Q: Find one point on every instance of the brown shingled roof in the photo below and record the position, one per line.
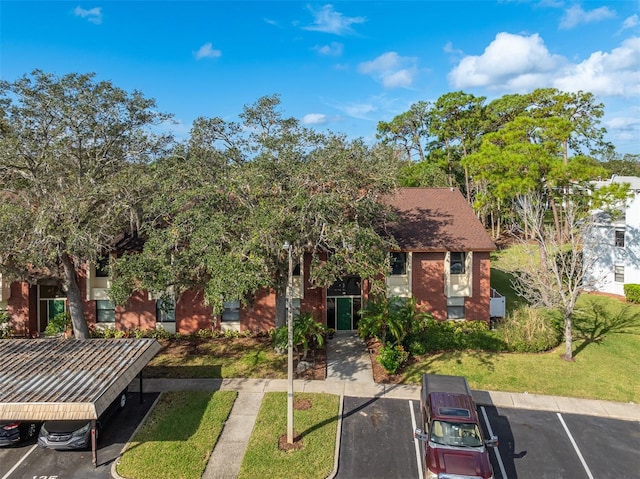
(437, 219)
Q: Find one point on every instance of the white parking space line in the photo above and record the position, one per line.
(416, 440)
(495, 449)
(575, 446)
(19, 462)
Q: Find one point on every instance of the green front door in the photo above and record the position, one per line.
(54, 307)
(344, 313)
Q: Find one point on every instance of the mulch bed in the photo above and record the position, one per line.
(380, 375)
(318, 369)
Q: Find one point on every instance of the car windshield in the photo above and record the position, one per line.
(455, 434)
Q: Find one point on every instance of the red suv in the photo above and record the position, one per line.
(452, 439)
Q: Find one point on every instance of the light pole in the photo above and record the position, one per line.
(288, 247)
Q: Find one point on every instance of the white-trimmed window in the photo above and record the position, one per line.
(618, 273)
(455, 307)
(105, 311)
(230, 311)
(165, 311)
(619, 238)
(398, 261)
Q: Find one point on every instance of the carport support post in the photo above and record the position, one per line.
(94, 449)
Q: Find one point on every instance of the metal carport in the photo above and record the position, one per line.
(67, 379)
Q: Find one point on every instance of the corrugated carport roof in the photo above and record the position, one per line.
(58, 379)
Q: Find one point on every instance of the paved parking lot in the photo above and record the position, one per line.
(28, 461)
(377, 442)
(549, 445)
(377, 439)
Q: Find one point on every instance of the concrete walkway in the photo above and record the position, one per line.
(348, 359)
(235, 437)
(349, 373)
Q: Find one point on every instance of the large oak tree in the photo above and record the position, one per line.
(232, 196)
(71, 153)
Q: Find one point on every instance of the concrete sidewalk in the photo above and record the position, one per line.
(590, 407)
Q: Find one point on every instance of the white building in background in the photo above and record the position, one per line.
(612, 249)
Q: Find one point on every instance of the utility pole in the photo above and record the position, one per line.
(288, 247)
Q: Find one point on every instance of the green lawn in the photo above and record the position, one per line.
(606, 356)
(217, 358)
(607, 370)
(177, 438)
(317, 427)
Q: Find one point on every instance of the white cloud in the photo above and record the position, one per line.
(314, 119)
(327, 20)
(93, 15)
(615, 73)
(207, 51)
(575, 16)
(448, 48)
(511, 62)
(334, 49)
(630, 22)
(625, 128)
(518, 64)
(360, 111)
(392, 70)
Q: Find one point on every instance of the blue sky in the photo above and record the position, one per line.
(341, 66)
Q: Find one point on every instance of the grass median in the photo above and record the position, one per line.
(178, 436)
(315, 421)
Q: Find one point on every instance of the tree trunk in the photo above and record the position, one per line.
(80, 328)
(556, 219)
(568, 338)
(467, 185)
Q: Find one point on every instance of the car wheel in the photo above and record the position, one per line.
(123, 400)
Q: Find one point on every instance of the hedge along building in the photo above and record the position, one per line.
(443, 261)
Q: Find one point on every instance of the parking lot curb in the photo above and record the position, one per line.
(336, 457)
(114, 464)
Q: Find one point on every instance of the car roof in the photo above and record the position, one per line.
(452, 407)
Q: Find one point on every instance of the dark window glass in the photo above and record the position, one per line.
(331, 313)
(357, 306)
(102, 267)
(455, 312)
(166, 311)
(231, 311)
(349, 286)
(620, 238)
(398, 263)
(105, 311)
(457, 262)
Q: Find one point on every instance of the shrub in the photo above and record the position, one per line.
(391, 319)
(5, 325)
(58, 324)
(307, 332)
(392, 357)
(453, 335)
(530, 330)
(632, 293)
(209, 333)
